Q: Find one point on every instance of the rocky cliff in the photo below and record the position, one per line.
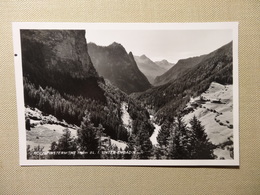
(59, 59)
(61, 50)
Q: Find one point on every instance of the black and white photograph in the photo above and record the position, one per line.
(127, 94)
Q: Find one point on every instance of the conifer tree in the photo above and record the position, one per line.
(178, 141)
(164, 139)
(66, 142)
(89, 138)
(202, 148)
(66, 145)
(143, 145)
(164, 134)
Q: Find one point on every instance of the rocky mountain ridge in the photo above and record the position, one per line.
(119, 67)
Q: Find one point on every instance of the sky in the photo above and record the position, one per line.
(171, 45)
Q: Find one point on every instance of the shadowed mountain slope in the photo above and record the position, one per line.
(59, 59)
(119, 67)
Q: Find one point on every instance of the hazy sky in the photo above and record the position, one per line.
(171, 45)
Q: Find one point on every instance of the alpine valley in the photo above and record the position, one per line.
(84, 101)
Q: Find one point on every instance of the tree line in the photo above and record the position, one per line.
(175, 141)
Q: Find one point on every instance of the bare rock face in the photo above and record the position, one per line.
(62, 50)
(60, 59)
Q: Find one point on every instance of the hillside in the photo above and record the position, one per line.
(119, 67)
(173, 96)
(46, 129)
(149, 68)
(176, 71)
(185, 65)
(214, 108)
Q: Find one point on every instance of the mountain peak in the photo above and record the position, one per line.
(119, 67)
(92, 43)
(131, 55)
(165, 64)
(148, 67)
(115, 44)
(143, 56)
(118, 48)
(165, 61)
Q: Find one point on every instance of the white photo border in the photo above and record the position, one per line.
(17, 26)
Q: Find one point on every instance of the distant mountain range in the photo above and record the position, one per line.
(119, 67)
(149, 68)
(165, 64)
(191, 77)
